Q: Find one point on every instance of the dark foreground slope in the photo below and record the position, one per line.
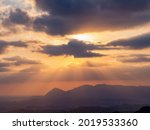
(99, 98)
(145, 109)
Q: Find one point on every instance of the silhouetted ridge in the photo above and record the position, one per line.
(82, 88)
(86, 98)
(145, 109)
(55, 91)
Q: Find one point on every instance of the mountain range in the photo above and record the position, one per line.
(87, 98)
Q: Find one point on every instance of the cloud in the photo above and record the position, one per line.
(73, 16)
(5, 44)
(84, 7)
(21, 61)
(3, 66)
(17, 16)
(136, 59)
(20, 77)
(75, 48)
(138, 42)
(3, 69)
(8, 63)
(52, 25)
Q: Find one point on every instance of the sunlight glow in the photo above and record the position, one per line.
(84, 37)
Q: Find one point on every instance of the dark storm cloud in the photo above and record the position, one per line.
(52, 25)
(83, 7)
(75, 48)
(72, 16)
(5, 44)
(17, 16)
(138, 42)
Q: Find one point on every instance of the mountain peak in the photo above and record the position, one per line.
(55, 91)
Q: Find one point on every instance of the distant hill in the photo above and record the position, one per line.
(145, 109)
(87, 98)
(99, 95)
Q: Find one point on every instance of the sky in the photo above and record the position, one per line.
(46, 44)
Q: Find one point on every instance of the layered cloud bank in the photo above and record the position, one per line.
(47, 41)
(76, 16)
